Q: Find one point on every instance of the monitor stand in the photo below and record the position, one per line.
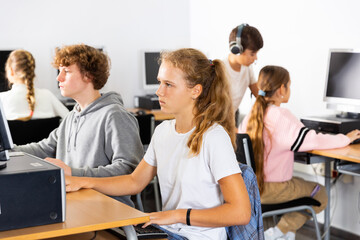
(4, 156)
(349, 115)
(2, 165)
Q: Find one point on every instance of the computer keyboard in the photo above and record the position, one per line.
(150, 232)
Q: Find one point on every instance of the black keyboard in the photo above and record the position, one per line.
(150, 232)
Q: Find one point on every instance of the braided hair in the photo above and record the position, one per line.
(22, 63)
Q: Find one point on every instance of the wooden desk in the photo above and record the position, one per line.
(86, 210)
(158, 114)
(349, 153)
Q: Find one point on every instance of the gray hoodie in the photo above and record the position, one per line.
(100, 141)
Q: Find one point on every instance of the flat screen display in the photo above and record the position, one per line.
(151, 69)
(343, 79)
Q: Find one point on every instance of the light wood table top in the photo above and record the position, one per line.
(86, 210)
(158, 114)
(349, 153)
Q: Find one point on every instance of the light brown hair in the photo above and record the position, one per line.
(92, 62)
(271, 78)
(22, 63)
(214, 104)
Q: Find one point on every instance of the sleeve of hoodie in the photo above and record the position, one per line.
(123, 147)
(44, 148)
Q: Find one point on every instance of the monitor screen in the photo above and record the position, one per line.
(151, 70)
(6, 142)
(4, 85)
(343, 80)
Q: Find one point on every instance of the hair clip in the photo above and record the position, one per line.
(261, 93)
(211, 62)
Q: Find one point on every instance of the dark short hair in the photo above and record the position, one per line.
(250, 38)
(92, 62)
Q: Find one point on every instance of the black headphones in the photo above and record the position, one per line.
(235, 46)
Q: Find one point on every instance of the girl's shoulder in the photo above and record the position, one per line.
(216, 132)
(279, 112)
(279, 117)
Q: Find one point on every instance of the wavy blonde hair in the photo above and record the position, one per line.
(214, 105)
(22, 63)
(271, 78)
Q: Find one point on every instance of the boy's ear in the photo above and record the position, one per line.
(87, 78)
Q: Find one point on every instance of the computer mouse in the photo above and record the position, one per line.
(140, 112)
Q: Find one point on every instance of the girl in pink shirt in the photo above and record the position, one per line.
(276, 134)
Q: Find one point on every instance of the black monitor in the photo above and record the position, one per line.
(151, 69)
(343, 82)
(4, 85)
(6, 142)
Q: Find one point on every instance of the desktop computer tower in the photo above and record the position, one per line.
(147, 102)
(331, 124)
(32, 193)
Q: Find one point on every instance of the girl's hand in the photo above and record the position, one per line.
(353, 135)
(165, 218)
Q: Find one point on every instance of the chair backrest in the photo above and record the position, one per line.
(23, 132)
(146, 126)
(244, 152)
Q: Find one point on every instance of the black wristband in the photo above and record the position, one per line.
(188, 217)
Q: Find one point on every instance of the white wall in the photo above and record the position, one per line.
(124, 28)
(297, 35)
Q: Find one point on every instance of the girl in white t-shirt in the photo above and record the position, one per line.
(24, 101)
(193, 155)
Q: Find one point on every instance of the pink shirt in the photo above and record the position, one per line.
(289, 135)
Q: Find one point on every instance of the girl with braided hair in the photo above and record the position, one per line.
(24, 101)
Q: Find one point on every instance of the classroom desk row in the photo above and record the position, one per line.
(349, 153)
(158, 114)
(86, 211)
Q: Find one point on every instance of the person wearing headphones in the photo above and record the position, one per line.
(244, 42)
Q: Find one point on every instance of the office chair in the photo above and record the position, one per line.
(245, 155)
(34, 130)
(146, 130)
(146, 127)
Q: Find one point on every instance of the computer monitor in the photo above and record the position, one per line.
(343, 82)
(4, 85)
(151, 69)
(6, 142)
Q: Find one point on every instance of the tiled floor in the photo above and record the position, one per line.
(307, 232)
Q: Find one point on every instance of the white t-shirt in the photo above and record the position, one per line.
(191, 182)
(239, 81)
(16, 106)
